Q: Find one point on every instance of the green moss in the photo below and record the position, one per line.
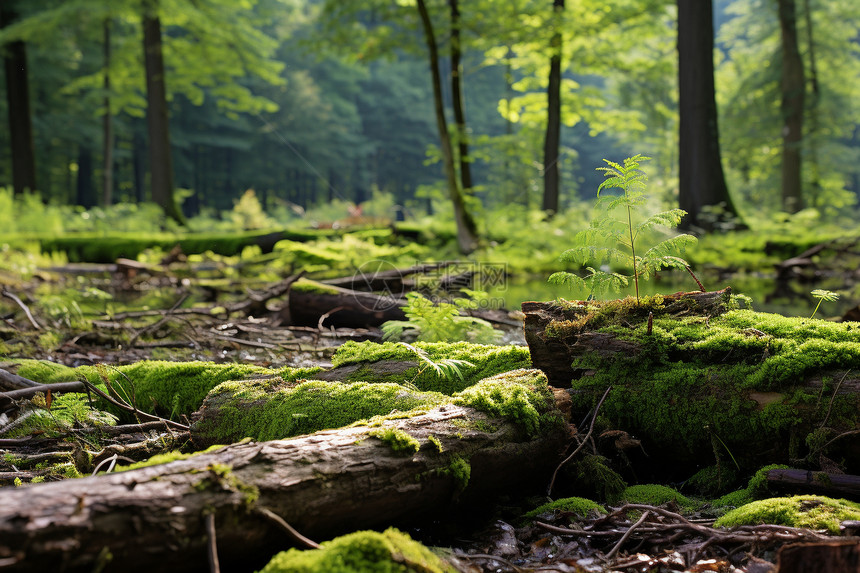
(436, 443)
(267, 411)
(574, 507)
(488, 361)
(756, 489)
(399, 441)
(361, 552)
(712, 480)
(653, 494)
(591, 474)
(165, 458)
(309, 286)
(521, 396)
(461, 471)
(160, 387)
(810, 511)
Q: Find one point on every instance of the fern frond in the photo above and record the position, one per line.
(565, 278)
(670, 219)
(672, 246)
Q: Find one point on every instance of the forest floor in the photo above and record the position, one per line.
(129, 312)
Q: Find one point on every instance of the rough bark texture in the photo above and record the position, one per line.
(551, 178)
(344, 307)
(457, 98)
(554, 355)
(793, 86)
(701, 179)
(161, 162)
(837, 556)
(322, 484)
(18, 103)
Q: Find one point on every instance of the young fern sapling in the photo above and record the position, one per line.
(610, 239)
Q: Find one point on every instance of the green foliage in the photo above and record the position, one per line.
(440, 322)
(361, 552)
(808, 511)
(599, 244)
(248, 213)
(823, 295)
(446, 368)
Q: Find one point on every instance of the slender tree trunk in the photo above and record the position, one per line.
(812, 132)
(467, 232)
(793, 92)
(86, 194)
(107, 123)
(138, 146)
(701, 179)
(161, 163)
(18, 103)
(457, 98)
(551, 177)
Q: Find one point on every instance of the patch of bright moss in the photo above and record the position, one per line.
(488, 360)
(361, 552)
(160, 387)
(576, 507)
(653, 494)
(520, 396)
(306, 285)
(399, 441)
(810, 511)
(265, 412)
(756, 489)
(165, 458)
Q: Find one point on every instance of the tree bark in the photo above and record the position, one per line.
(793, 88)
(339, 307)
(809, 482)
(18, 104)
(322, 484)
(161, 162)
(107, 124)
(86, 193)
(467, 230)
(457, 98)
(551, 176)
(701, 182)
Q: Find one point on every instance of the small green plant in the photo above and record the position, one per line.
(611, 239)
(447, 368)
(440, 322)
(823, 295)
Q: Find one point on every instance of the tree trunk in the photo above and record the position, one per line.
(322, 484)
(161, 163)
(457, 98)
(138, 147)
(793, 94)
(701, 179)
(467, 230)
(107, 124)
(812, 132)
(86, 194)
(18, 104)
(551, 177)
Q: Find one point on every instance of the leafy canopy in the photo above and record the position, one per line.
(613, 239)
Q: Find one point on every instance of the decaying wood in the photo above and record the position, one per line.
(389, 280)
(832, 556)
(805, 481)
(343, 308)
(322, 484)
(554, 355)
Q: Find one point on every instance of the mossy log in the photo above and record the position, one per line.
(700, 383)
(313, 304)
(323, 484)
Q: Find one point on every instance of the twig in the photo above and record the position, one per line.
(212, 547)
(159, 322)
(695, 278)
(113, 459)
(23, 306)
(274, 517)
(123, 405)
(833, 397)
(14, 381)
(581, 444)
(33, 390)
(326, 315)
(627, 534)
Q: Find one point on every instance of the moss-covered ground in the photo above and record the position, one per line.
(810, 511)
(391, 551)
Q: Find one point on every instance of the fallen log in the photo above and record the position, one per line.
(702, 384)
(316, 304)
(805, 481)
(322, 484)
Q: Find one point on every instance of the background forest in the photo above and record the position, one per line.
(318, 106)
